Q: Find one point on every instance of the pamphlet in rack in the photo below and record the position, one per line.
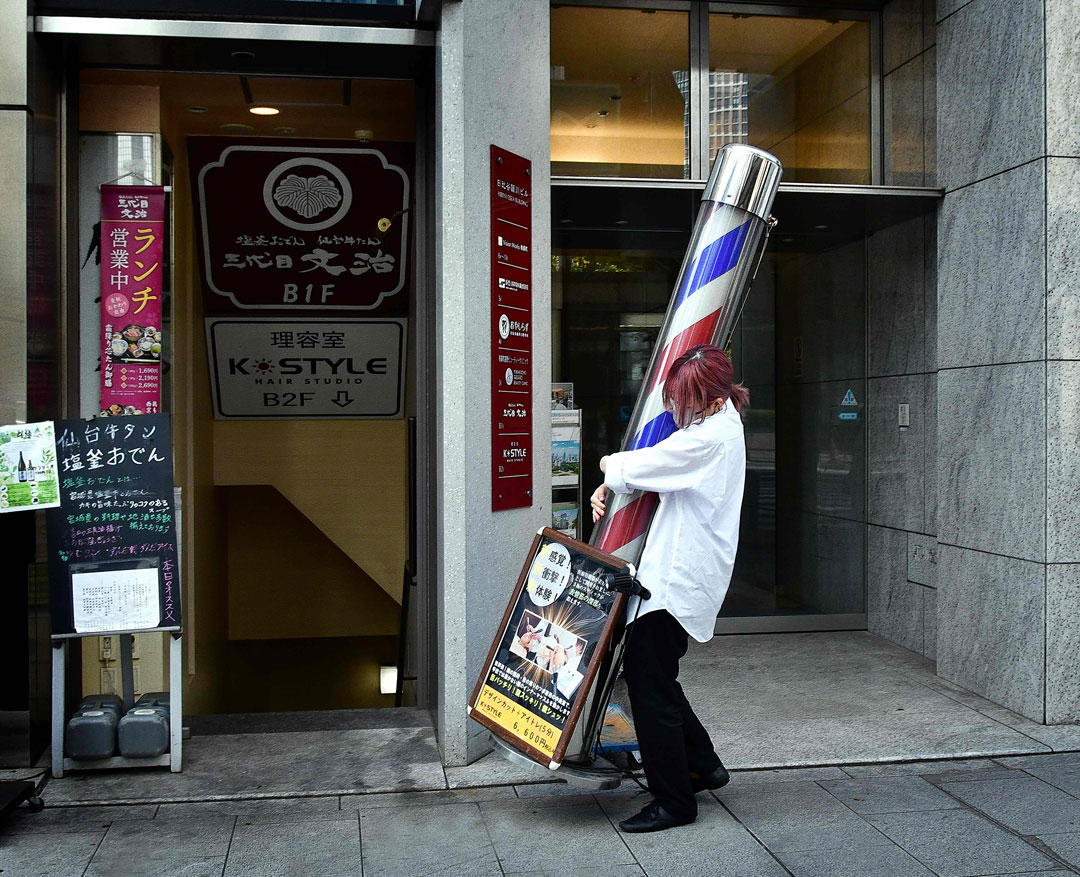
(566, 501)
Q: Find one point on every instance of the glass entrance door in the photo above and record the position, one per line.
(799, 347)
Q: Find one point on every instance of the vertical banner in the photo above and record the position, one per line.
(548, 649)
(132, 250)
(511, 330)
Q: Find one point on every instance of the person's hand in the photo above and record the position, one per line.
(597, 502)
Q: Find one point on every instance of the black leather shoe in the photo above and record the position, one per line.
(652, 818)
(715, 780)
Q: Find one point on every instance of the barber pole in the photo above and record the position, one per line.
(725, 250)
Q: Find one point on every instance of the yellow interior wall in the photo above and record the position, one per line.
(295, 588)
(128, 109)
(349, 478)
(205, 591)
(308, 674)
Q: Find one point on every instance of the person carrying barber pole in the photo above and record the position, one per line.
(698, 472)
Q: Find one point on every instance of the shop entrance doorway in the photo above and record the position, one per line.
(296, 527)
(800, 347)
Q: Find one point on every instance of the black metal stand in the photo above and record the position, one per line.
(587, 769)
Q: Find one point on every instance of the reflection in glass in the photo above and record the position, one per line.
(797, 87)
(619, 92)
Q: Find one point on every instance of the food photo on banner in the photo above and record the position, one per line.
(557, 628)
(132, 239)
(113, 563)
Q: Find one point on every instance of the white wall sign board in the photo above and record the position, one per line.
(308, 369)
(119, 599)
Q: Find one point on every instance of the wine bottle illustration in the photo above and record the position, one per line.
(31, 473)
(22, 467)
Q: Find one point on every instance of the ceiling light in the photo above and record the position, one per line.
(236, 128)
(601, 112)
(195, 109)
(591, 125)
(264, 111)
(820, 227)
(363, 135)
(566, 221)
(622, 221)
(285, 130)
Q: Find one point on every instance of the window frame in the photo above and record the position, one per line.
(699, 13)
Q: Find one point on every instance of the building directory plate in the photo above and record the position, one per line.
(511, 330)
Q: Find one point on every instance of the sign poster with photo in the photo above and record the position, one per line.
(307, 226)
(266, 368)
(113, 562)
(28, 478)
(549, 646)
(565, 448)
(132, 271)
(564, 517)
(562, 397)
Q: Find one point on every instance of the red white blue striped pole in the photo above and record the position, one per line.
(725, 249)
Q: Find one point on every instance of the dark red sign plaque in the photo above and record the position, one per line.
(302, 225)
(511, 331)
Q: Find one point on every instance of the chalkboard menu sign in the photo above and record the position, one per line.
(548, 649)
(112, 542)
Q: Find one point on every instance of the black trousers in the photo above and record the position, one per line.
(672, 740)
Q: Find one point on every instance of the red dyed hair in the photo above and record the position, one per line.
(698, 377)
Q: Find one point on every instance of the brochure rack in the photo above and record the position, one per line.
(566, 484)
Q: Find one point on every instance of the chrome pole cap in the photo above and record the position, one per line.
(745, 177)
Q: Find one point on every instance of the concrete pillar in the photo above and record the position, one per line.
(902, 349)
(15, 133)
(492, 86)
(1008, 384)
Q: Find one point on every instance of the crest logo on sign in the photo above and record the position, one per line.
(307, 196)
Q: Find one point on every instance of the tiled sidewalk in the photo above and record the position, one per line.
(1015, 815)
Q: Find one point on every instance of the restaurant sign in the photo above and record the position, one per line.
(301, 227)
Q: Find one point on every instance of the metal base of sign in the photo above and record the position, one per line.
(597, 776)
(516, 756)
(173, 759)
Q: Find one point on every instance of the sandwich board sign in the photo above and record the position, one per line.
(549, 646)
(113, 562)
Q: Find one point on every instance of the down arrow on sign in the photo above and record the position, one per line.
(342, 399)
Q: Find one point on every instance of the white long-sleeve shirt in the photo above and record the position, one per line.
(689, 553)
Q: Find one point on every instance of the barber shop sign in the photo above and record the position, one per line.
(310, 226)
